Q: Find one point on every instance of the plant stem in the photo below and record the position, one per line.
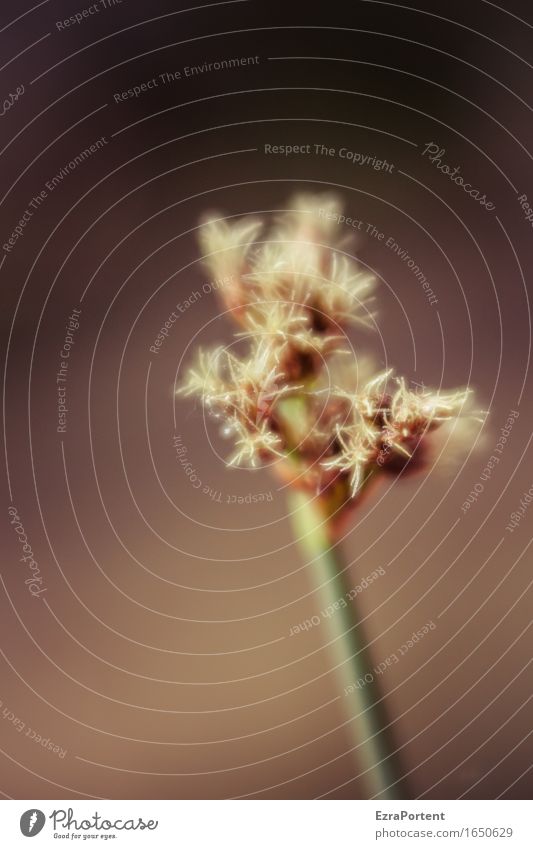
(373, 747)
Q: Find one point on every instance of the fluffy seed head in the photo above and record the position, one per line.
(292, 294)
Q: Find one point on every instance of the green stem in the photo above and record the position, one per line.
(373, 747)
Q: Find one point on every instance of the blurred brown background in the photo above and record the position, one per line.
(158, 658)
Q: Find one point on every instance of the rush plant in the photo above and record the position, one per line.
(291, 392)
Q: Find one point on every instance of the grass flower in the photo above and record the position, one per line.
(294, 399)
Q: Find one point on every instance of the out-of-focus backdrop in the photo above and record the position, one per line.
(147, 605)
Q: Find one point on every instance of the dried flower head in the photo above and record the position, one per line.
(293, 294)
(387, 425)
